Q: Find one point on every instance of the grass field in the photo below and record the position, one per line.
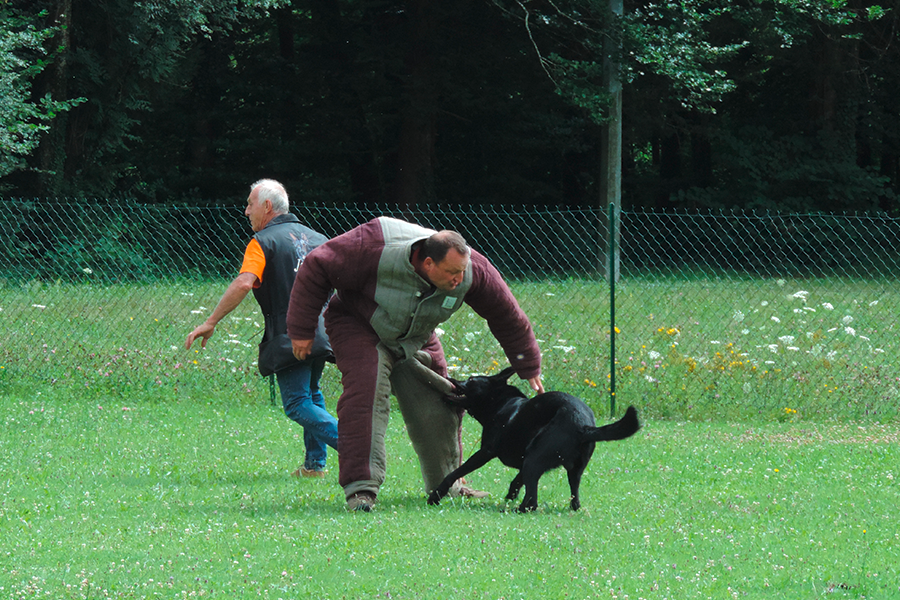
(766, 468)
(700, 350)
(189, 499)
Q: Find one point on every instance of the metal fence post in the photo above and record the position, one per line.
(272, 389)
(612, 310)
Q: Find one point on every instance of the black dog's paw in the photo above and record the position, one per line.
(434, 498)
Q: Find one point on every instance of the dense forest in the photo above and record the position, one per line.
(788, 105)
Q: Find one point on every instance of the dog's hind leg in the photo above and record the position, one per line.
(575, 472)
(514, 487)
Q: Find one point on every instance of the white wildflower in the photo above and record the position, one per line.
(781, 282)
(850, 330)
(87, 271)
(827, 306)
(793, 348)
(738, 316)
(847, 320)
(773, 347)
(764, 303)
(745, 331)
(438, 331)
(565, 348)
(41, 306)
(801, 295)
(776, 319)
(747, 387)
(873, 302)
(653, 355)
(786, 339)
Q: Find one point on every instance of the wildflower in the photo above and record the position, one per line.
(827, 306)
(873, 302)
(86, 271)
(439, 331)
(850, 330)
(565, 348)
(800, 295)
(786, 339)
(781, 282)
(653, 354)
(847, 320)
(738, 316)
(776, 319)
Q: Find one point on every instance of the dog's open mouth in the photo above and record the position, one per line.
(457, 396)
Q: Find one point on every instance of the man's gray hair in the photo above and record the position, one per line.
(271, 190)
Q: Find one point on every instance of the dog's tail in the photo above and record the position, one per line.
(625, 427)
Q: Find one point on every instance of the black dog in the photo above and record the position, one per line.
(548, 431)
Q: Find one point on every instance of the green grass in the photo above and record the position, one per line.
(767, 467)
(700, 350)
(193, 499)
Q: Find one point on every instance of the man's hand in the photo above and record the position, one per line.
(301, 348)
(536, 384)
(205, 331)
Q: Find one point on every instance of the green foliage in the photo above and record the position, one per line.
(757, 168)
(22, 58)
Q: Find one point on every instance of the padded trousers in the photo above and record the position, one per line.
(370, 373)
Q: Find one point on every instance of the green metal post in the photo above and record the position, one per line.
(272, 389)
(612, 310)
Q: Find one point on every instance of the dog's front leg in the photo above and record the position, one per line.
(476, 461)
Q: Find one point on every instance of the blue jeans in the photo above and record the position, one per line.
(304, 404)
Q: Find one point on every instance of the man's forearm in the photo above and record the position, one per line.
(235, 293)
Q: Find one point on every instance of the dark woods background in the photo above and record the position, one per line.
(788, 105)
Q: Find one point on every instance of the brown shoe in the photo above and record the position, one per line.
(361, 501)
(304, 472)
(464, 491)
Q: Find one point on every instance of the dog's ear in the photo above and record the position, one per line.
(505, 374)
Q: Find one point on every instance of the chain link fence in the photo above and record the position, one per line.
(717, 315)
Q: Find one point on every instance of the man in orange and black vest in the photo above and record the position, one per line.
(270, 264)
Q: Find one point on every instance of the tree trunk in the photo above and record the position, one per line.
(415, 154)
(51, 153)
